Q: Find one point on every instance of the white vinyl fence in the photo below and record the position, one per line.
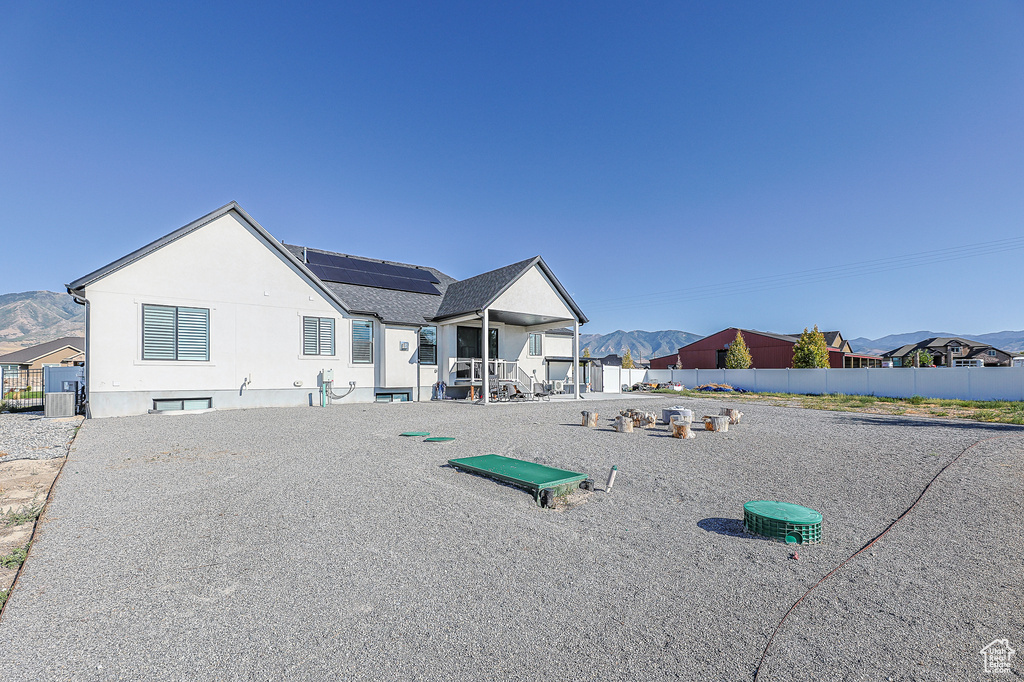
(959, 383)
(616, 377)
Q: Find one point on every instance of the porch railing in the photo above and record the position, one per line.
(470, 370)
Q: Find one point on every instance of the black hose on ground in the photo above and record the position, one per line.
(764, 654)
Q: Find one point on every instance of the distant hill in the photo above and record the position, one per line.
(33, 317)
(640, 343)
(1012, 341)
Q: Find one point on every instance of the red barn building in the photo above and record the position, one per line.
(767, 350)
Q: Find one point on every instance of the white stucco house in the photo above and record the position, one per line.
(219, 314)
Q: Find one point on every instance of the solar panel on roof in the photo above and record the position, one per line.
(409, 284)
(348, 270)
(317, 258)
(329, 273)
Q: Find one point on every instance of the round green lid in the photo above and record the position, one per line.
(783, 511)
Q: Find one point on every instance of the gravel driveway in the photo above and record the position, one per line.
(317, 543)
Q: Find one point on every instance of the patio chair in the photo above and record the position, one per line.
(540, 392)
(516, 394)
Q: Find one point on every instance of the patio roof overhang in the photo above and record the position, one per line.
(527, 319)
(532, 321)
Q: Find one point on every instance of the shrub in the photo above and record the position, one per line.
(15, 558)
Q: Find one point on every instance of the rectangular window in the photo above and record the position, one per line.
(991, 353)
(175, 333)
(177, 404)
(362, 341)
(318, 336)
(392, 398)
(536, 345)
(428, 346)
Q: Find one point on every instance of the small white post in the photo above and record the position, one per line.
(611, 479)
(576, 356)
(485, 345)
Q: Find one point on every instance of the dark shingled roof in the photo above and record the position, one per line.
(830, 338)
(395, 307)
(938, 344)
(25, 356)
(476, 293)
(473, 294)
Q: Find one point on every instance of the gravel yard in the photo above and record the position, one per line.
(27, 435)
(312, 543)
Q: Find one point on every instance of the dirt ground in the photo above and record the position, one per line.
(23, 484)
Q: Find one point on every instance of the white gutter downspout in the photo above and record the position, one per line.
(82, 300)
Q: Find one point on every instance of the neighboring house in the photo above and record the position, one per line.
(951, 351)
(219, 314)
(767, 350)
(833, 339)
(68, 352)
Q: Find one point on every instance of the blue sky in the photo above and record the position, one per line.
(669, 161)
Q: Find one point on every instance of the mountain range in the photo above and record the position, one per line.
(1011, 341)
(33, 317)
(641, 344)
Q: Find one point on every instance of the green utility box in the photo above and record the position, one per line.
(782, 521)
(546, 483)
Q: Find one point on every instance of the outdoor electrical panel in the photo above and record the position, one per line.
(328, 374)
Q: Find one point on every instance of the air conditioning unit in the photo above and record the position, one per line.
(58, 404)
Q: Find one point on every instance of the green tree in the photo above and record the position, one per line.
(627, 360)
(924, 357)
(811, 351)
(586, 352)
(738, 355)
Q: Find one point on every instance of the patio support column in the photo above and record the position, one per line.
(485, 344)
(576, 357)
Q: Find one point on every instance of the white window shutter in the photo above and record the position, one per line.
(158, 332)
(193, 334)
(326, 336)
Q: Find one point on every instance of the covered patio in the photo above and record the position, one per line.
(511, 308)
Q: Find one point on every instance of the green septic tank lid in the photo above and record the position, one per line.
(783, 511)
(438, 439)
(415, 433)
